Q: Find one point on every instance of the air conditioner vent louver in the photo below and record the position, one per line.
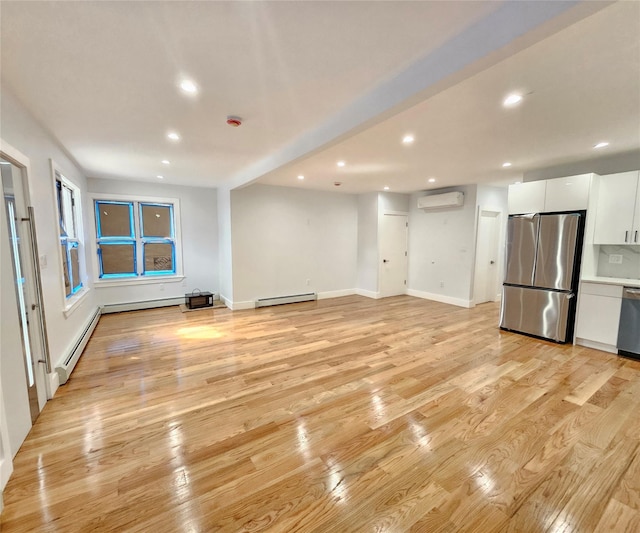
(439, 201)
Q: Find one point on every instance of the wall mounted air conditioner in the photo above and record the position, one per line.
(438, 201)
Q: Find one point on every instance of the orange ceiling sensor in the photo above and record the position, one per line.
(234, 121)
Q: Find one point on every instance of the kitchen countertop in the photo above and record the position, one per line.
(612, 281)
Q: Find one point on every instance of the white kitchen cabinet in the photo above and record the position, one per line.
(618, 211)
(598, 316)
(527, 197)
(548, 196)
(567, 194)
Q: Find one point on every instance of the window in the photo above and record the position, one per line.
(135, 238)
(68, 200)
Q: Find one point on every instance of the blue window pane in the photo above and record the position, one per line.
(156, 220)
(114, 219)
(117, 259)
(159, 257)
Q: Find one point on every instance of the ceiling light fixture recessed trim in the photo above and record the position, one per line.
(165, 162)
(431, 180)
(408, 139)
(300, 177)
(506, 164)
(386, 188)
(160, 177)
(188, 86)
(172, 135)
(601, 144)
(341, 163)
(512, 100)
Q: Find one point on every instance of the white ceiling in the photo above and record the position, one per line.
(320, 81)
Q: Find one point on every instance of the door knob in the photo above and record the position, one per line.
(385, 260)
(491, 262)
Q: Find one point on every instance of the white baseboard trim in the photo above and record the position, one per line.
(597, 345)
(368, 294)
(65, 366)
(241, 306)
(336, 294)
(136, 306)
(53, 382)
(459, 302)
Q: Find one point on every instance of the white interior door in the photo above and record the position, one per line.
(486, 282)
(393, 254)
(21, 368)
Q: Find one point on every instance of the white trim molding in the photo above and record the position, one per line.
(336, 294)
(367, 294)
(459, 302)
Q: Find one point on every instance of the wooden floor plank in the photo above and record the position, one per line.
(340, 415)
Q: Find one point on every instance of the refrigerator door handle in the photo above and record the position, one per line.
(636, 237)
(626, 236)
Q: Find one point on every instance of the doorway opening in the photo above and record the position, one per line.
(393, 254)
(487, 268)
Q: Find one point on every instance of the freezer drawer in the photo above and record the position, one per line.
(537, 312)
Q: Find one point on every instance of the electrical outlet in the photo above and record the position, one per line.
(442, 284)
(615, 259)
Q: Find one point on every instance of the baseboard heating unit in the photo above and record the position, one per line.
(64, 370)
(293, 299)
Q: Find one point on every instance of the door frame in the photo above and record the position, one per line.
(499, 216)
(37, 329)
(381, 216)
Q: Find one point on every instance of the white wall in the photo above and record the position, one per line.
(225, 265)
(282, 237)
(495, 199)
(393, 202)
(23, 133)
(442, 249)
(199, 237)
(367, 280)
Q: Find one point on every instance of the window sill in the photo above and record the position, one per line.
(139, 280)
(71, 304)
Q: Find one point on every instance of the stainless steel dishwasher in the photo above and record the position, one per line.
(629, 329)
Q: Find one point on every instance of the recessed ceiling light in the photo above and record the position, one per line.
(188, 86)
(341, 163)
(512, 100)
(300, 177)
(602, 144)
(431, 180)
(506, 164)
(386, 188)
(165, 162)
(173, 136)
(408, 139)
(160, 177)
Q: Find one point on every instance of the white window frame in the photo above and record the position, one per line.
(71, 302)
(138, 279)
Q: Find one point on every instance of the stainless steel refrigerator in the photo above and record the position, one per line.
(541, 278)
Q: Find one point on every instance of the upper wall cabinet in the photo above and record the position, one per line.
(618, 212)
(567, 194)
(527, 197)
(560, 194)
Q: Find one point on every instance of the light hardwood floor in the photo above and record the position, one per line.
(333, 416)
